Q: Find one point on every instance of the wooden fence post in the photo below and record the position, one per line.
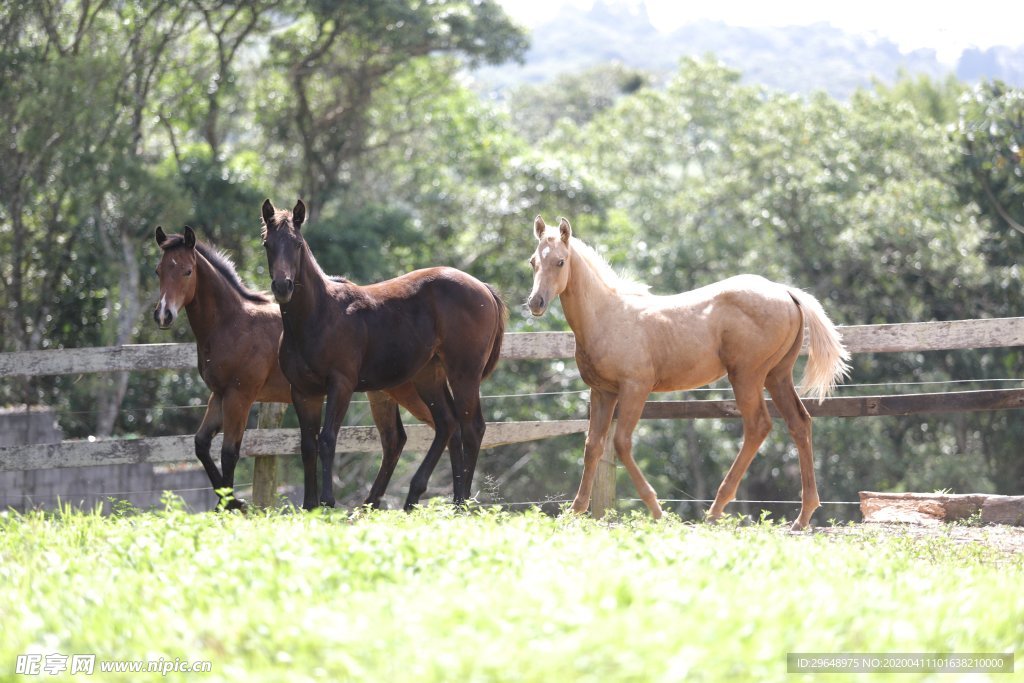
(603, 496)
(264, 468)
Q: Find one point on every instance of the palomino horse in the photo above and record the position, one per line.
(340, 338)
(630, 343)
(237, 335)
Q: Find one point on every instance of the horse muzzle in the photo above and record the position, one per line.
(282, 289)
(537, 305)
(163, 315)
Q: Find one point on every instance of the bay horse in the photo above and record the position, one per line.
(237, 333)
(630, 343)
(438, 328)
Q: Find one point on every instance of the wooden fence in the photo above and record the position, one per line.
(904, 337)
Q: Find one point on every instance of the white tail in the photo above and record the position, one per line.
(827, 357)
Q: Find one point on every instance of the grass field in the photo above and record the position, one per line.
(488, 596)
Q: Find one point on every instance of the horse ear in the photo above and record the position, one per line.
(299, 214)
(565, 230)
(161, 237)
(190, 237)
(268, 213)
(539, 227)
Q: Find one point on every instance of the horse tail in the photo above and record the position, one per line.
(499, 336)
(827, 360)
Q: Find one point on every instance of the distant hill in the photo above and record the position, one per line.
(793, 58)
(1003, 63)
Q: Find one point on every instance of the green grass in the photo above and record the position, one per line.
(487, 596)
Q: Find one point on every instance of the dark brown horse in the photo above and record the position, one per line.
(238, 332)
(423, 327)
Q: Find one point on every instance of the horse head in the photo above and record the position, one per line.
(284, 244)
(550, 262)
(176, 271)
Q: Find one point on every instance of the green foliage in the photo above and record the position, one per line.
(990, 132)
(572, 99)
(335, 62)
(932, 98)
(489, 596)
(361, 244)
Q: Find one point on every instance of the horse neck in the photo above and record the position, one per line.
(213, 301)
(586, 300)
(310, 290)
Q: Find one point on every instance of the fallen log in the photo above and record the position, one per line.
(938, 508)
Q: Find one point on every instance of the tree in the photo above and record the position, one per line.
(990, 130)
(572, 97)
(334, 60)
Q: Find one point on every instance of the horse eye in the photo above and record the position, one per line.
(188, 272)
(561, 262)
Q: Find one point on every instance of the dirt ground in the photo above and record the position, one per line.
(1008, 539)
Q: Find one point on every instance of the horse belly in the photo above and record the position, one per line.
(690, 378)
(682, 354)
(389, 367)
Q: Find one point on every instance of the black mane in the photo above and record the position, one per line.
(223, 265)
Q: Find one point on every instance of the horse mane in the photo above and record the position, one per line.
(223, 264)
(614, 281)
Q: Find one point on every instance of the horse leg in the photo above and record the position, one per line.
(211, 424)
(631, 406)
(602, 406)
(392, 440)
(236, 413)
(431, 386)
(407, 397)
(479, 427)
(339, 395)
(308, 408)
(756, 425)
(780, 386)
(465, 398)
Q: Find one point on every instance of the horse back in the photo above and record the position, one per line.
(442, 309)
(687, 340)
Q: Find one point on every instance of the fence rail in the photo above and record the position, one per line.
(257, 442)
(901, 337)
(931, 336)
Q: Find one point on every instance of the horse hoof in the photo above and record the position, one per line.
(233, 504)
(798, 526)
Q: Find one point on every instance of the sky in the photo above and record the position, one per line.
(945, 26)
